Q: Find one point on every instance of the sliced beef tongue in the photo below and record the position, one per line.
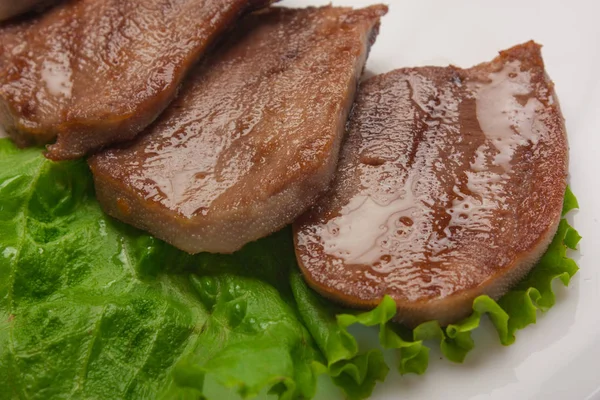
(449, 186)
(252, 139)
(88, 73)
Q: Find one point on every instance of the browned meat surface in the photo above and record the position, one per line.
(254, 136)
(12, 8)
(449, 186)
(93, 72)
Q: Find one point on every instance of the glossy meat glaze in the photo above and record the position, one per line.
(252, 139)
(450, 185)
(88, 73)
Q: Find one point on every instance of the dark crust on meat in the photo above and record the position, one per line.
(544, 183)
(17, 8)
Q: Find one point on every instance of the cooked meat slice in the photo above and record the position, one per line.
(12, 8)
(449, 186)
(93, 72)
(254, 136)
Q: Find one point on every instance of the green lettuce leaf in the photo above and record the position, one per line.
(570, 202)
(87, 309)
(355, 373)
(92, 308)
(514, 311)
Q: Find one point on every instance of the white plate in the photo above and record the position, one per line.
(559, 357)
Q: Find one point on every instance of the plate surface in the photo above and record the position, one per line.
(558, 358)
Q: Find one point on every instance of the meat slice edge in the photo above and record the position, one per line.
(450, 185)
(89, 73)
(252, 139)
